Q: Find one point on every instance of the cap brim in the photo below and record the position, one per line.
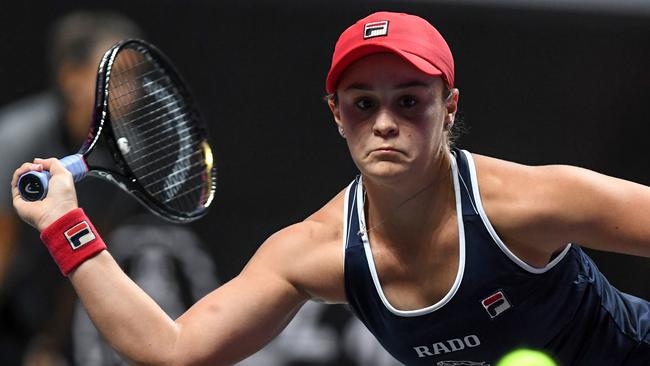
(358, 53)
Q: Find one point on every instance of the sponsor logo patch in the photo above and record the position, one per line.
(79, 235)
(496, 304)
(375, 29)
(447, 346)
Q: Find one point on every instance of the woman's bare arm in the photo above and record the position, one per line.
(227, 325)
(538, 210)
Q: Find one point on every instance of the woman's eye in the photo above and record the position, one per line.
(363, 104)
(408, 102)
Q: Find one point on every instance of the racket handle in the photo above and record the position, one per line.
(33, 185)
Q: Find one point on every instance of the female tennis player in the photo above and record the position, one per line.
(447, 257)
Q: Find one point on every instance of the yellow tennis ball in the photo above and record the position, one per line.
(526, 357)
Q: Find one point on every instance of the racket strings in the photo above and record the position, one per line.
(147, 106)
(121, 85)
(168, 121)
(152, 135)
(126, 81)
(151, 152)
(173, 176)
(165, 151)
(164, 132)
(150, 172)
(172, 153)
(172, 181)
(184, 193)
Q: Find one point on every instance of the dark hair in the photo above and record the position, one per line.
(457, 130)
(76, 36)
(333, 97)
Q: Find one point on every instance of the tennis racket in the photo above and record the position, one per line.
(146, 117)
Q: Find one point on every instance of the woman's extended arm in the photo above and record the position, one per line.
(228, 324)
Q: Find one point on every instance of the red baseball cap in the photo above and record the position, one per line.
(409, 36)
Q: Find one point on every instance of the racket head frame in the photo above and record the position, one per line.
(100, 126)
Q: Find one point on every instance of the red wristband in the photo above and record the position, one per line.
(71, 240)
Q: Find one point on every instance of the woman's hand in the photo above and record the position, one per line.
(61, 196)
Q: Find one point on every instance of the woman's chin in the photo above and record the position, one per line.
(385, 171)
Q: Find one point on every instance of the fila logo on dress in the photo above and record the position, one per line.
(79, 235)
(496, 304)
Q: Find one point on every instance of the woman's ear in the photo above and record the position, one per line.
(451, 103)
(334, 108)
(336, 113)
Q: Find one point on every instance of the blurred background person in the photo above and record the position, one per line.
(38, 323)
(35, 301)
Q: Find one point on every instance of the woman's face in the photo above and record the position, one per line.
(394, 117)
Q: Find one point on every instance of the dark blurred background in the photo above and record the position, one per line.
(540, 84)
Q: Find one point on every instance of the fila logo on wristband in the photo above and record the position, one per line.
(79, 235)
(79, 242)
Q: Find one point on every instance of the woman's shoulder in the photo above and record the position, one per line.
(497, 174)
(532, 206)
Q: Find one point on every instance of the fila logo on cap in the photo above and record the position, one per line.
(496, 304)
(375, 29)
(79, 235)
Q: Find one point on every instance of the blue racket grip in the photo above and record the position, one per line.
(33, 185)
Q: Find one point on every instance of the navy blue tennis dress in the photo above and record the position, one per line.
(497, 302)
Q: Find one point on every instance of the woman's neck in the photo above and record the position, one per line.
(407, 211)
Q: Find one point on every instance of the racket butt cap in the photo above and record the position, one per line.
(33, 185)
